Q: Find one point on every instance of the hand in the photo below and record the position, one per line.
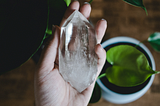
(50, 87)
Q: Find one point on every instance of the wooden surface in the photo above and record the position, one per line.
(16, 86)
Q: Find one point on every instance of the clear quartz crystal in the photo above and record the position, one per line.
(77, 57)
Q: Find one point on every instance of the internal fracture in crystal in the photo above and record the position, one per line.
(77, 57)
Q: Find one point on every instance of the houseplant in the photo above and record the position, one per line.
(121, 91)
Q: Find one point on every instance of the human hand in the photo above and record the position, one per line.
(50, 87)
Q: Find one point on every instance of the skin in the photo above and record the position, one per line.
(50, 87)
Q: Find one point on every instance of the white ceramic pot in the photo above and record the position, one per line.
(118, 98)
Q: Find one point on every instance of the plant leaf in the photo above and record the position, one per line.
(90, 1)
(154, 41)
(138, 3)
(67, 2)
(130, 66)
(96, 95)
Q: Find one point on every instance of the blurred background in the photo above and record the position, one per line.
(16, 86)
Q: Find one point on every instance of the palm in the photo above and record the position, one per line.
(65, 94)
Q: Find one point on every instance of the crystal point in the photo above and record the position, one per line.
(77, 57)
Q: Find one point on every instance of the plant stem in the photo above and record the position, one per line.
(47, 18)
(145, 10)
(90, 1)
(102, 75)
(157, 72)
(141, 42)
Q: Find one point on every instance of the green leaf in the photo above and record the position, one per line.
(138, 3)
(67, 2)
(90, 1)
(49, 32)
(96, 95)
(130, 66)
(154, 41)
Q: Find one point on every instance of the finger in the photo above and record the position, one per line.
(86, 10)
(72, 7)
(50, 51)
(100, 29)
(101, 53)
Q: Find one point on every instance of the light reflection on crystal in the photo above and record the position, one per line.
(77, 58)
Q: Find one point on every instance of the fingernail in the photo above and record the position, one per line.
(53, 28)
(103, 19)
(86, 3)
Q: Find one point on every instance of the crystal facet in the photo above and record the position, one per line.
(77, 57)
